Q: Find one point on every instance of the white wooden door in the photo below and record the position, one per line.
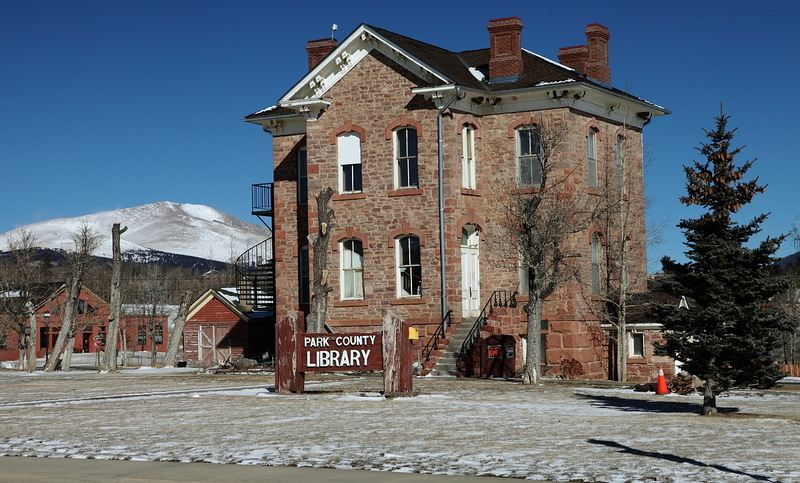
(208, 347)
(470, 274)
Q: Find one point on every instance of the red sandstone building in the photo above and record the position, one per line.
(420, 145)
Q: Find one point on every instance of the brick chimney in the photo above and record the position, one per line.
(574, 57)
(318, 50)
(505, 48)
(591, 59)
(597, 38)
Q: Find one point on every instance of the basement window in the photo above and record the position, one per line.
(636, 340)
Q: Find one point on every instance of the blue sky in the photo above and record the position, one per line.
(111, 104)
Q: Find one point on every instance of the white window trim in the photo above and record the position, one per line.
(518, 141)
(468, 156)
(591, 148)
(398, 268)
(396, 151)
(632, 345)
(343, 251)
(349, 154)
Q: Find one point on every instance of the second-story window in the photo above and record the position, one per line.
(409, 267)
(468, 156)
(349, 147)
(529, 156)
(406, 161)
(302, 176)
(352, 269)
(591, 147)
(595, 255)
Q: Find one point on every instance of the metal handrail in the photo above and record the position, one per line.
(499, 298)
(255, 276)
(433, 342)
(261, 194)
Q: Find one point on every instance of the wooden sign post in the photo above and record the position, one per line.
(298, 353)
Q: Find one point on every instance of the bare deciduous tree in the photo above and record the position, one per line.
(86, 241)
(176, 333)
(538, 223)
(20, 285)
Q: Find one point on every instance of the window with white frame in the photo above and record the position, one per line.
(468, 156)
(636, 347)
(591, 147)
(529, 156)
(406, 158)
(352, 269)
(302, 176)
(595, 263)
(349, 148)
(409, 267)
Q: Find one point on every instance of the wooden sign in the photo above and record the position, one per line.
(340, 352)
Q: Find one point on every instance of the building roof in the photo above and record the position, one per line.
(436, 67)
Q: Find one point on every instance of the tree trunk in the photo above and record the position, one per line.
(176, 334)
(709, 399)
(533, 356)
(65, 334)
(319, 296)
(32, 338)
(110, 355)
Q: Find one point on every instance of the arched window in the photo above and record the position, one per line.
(352, 269)
(529, 156)
(468, 156)
(409, 267)
(406, 158)
(349, 149)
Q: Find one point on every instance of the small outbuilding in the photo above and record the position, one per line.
(219, 330)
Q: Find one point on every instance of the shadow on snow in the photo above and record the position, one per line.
(646, 405)
(675, 458)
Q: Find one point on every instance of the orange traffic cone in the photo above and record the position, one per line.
(661, 387)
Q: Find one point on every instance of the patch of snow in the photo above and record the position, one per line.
(477, 73)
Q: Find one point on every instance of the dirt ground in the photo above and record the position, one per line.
(555, 431)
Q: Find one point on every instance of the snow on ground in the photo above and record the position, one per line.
(555, 431)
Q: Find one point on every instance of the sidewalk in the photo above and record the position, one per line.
(62, 470)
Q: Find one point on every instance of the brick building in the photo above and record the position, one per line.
(421, 145)
(139, 329)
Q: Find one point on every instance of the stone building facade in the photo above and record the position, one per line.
(423, 148)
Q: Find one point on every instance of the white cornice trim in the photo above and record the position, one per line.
(348, 54)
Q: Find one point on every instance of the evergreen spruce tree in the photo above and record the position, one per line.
(726, 336)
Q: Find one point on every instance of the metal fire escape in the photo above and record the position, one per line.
(255, 268)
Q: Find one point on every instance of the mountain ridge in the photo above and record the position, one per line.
(154, 229)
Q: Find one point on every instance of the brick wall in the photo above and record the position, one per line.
(375, 97)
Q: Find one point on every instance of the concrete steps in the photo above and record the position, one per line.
(447, 365)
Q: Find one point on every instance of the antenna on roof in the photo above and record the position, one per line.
(334, 28)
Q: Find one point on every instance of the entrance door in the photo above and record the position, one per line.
(209, 349)
(470, 273)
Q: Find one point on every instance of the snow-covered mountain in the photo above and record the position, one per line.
(154, 230)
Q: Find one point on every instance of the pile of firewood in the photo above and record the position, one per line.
(683, 384)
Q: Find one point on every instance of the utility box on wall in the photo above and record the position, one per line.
(494, 356)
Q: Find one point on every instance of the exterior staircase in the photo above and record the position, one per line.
(447, 365)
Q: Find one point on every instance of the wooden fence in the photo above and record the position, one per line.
(792, 369)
